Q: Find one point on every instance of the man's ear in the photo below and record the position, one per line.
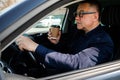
(96, 16)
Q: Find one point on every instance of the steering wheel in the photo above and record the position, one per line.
(19, 60)
(30, 54)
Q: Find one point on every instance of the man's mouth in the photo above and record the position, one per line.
(78, 23)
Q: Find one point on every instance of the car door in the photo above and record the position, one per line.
(35, 14)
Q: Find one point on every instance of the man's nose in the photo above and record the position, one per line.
(77, 17)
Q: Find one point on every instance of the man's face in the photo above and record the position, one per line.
(85, 17)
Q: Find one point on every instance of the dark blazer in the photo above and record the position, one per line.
(86, 50)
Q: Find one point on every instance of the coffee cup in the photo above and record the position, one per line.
(54, 30)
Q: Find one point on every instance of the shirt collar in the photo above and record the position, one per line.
(94, 31)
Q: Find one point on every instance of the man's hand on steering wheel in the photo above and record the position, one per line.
(25, 43)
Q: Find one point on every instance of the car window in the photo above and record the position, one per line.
(43, 25)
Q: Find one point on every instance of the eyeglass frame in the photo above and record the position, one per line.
(81, 13)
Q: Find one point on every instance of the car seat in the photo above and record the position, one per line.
(111, 18)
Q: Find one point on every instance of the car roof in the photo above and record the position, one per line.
(18, 11)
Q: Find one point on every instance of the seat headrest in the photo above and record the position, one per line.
(111, 15)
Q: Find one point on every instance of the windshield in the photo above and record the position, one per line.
(54, 18)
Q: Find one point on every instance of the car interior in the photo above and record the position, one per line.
(112, 20)
(24, 63)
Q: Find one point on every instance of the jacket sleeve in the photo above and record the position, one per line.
(83, 59)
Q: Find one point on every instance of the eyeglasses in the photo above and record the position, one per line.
(81, 13)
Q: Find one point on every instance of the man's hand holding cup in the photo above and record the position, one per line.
(54, 34)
